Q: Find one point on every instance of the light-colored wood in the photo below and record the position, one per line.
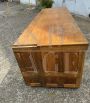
(50, 52)
(58, 23)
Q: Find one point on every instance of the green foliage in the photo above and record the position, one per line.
(45, 3)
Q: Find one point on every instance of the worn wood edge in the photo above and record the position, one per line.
(71, 86)
(28, 73)
(35, 84)
(51, 85)
(76, 48)
(43, 46)
(48, 85)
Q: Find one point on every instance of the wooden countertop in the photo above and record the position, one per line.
(54, 26)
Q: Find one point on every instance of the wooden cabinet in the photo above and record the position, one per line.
(51, 60)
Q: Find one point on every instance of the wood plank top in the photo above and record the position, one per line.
(54, 26)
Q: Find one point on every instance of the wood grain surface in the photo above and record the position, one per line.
(51, 50)
(52, 27)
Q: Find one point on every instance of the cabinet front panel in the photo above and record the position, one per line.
(50, 69)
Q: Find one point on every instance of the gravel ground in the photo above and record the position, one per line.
(12, 86)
